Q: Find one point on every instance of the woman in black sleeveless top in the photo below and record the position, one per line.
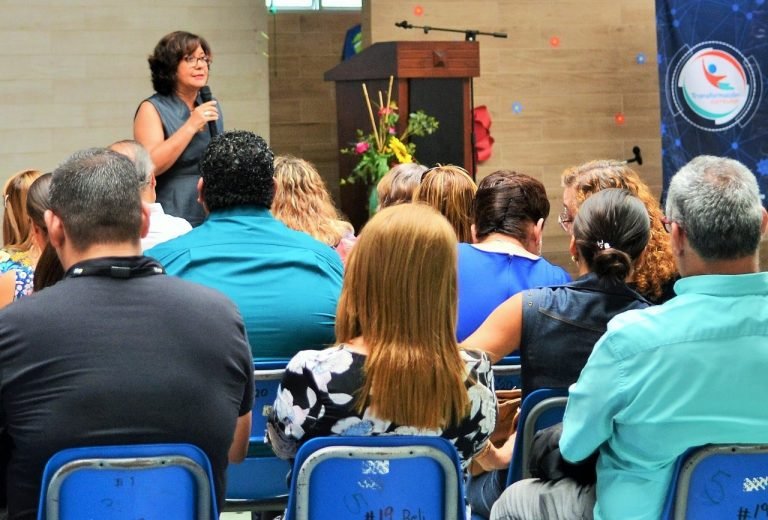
(173, 124)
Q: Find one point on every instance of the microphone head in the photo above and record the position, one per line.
(638, 157)
(205, 94)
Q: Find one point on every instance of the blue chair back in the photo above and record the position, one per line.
(382, 477)
(540, 409)
(259, 482)
(148, 481)
(720, 481)
(506, 373)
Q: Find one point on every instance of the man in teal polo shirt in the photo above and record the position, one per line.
(688, 372)
(285, 283)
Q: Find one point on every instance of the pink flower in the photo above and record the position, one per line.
(385, 111)
(362, 147)
(392, 130)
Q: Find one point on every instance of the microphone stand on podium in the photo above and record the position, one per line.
(470, 35)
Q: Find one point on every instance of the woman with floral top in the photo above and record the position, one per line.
(19, 253)
(397, 369)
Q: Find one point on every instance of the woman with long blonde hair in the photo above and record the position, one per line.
(451, 191)
(655, 273)
(302, 203)
(19, 253)
(397, 368)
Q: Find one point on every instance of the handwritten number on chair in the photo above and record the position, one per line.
(359, 502)
(715, 489)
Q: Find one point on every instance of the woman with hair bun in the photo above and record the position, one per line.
(655, 274)
(557, 327)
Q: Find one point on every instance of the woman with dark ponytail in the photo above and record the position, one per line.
(557, 327)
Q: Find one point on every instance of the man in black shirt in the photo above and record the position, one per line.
(117, 352)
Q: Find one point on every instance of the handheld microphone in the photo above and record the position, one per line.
(206, 96)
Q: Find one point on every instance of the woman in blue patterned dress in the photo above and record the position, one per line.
(19, 253)
(397, 369)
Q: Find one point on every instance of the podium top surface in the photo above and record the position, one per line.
(410, 59)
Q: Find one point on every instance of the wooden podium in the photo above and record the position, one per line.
(430, 76)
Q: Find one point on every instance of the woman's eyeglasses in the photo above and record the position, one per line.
(193, 61)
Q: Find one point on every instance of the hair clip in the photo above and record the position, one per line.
(603, 245)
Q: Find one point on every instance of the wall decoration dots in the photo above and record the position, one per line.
(418, 10)
(554, 41)
(619, 118)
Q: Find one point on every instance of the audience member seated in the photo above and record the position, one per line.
(655, 275)
(285, 282)
(116, 353)
(302, 202)
(451, 191)
(509, 213)
(162, 227)
(398, 184)
(19, 253)
(683, 374)
(48, 270)
(397, 368)
(557, 327)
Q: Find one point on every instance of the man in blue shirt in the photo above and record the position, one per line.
(668, 378)
(682, 374)
(285, 283)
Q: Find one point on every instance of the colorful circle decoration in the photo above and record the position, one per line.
(418, 10)
(713, 86)
(517, 107)
(640, 58)
(619, 118)
(554, 41)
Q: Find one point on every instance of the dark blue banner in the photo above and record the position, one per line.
(712, 57)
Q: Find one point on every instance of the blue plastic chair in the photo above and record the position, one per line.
(720, 481)
(540, 409)
(259, 482)
(148, 481)
(506, 373)
(377, 478)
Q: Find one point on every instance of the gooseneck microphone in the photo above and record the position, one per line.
(206, 96)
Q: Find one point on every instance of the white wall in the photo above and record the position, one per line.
(74, 71)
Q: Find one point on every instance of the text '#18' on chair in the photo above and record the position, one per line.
(148, 481)
(540, 409)
(377, 478)
(258, 483)
(720, 481)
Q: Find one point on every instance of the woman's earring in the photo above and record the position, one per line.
(574, 259)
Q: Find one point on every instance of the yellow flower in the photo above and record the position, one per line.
(398, 148)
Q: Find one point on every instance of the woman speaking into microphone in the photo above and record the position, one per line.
(176, 123)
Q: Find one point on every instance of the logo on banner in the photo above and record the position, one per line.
(713, 86)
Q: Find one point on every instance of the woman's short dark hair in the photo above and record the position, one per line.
(507, 202)
(611, 231)
(168, 52)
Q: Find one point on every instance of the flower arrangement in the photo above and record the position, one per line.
(382, 148)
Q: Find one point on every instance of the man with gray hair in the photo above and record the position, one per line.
(683, 374)
(117, 352)
(162, 227)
